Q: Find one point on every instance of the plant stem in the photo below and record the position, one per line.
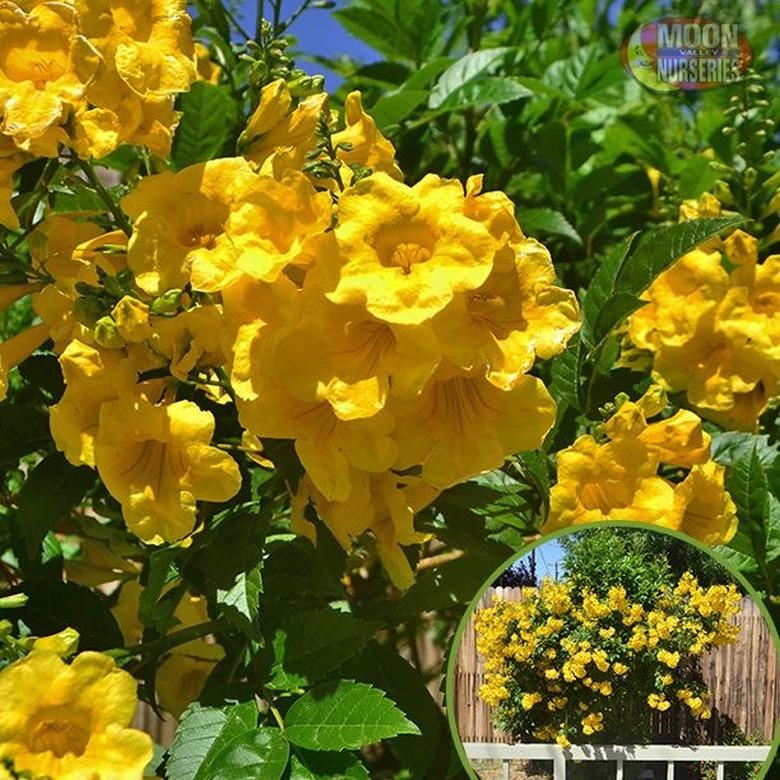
(159, 646)
(119, 217)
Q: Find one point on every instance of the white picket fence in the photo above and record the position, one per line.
(620, 754)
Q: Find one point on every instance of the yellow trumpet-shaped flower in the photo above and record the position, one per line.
(46, 67)
(10, 162)
(156, 460)
(267, 229)
(92, 376)
(278, 137)
(462, 425)
(367, 146)
(179, 219)
(619, 480)
(404, 252)
(71, 721)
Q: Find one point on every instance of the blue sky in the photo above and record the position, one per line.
(317, 32)
(547, 555)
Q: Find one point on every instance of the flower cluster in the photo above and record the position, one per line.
(562, 664)
(388, 330)
(710, 326)
(618, 478)
(89, 75)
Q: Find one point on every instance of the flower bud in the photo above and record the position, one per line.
(167, 303)
(107, 334)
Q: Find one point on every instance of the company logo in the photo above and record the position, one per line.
(686, 53)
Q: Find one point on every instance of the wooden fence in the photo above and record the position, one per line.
(743, 678)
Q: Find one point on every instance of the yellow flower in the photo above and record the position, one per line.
(157, 462)
(208, 70)
(671, 659)
(404, 252)
(563, 741)
(10, 162)
(529, 700)
(71, 722)
(384, 503)
(92, 377)
(18, 348)
(592, 723)
(277, 137)
(46, 67)
(658, 702)
(359, 358)
(619, 669)
(707, 511)
(462, 425)
(713, 333)
(267, 231)
(519, 313)
(179, 219)
(64, 643)
(368, 147)
(132, 319)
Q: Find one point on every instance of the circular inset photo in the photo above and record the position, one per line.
(615, 652)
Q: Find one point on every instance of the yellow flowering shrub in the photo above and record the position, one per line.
(566, 664)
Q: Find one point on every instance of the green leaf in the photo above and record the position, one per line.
(208, 117)
(460, 83)
(50, 491)
(535, 221)
(327, 766)
(344, 715)
(729, 446)
(747, 485)
(566, 385)
(295, 568)
(311, 644)
(241, 602)
(630, 268)
(22, 430)
(394, 107)
(224, 743)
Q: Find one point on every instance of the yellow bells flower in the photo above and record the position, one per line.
(71, 721)
(404, 252)
(10, 162)
(92, 377)
(706, 510)
(179, 218)
(207, 69)
(147, 47)
(612, 481)
(327, 446)
(103, 557)
(267, 230)
(462, 425)
(18, 348)
(189, 340)
(157, 462)
(368, 147)
(256, 314)
(516, 315)
(383, 503)
(46, 67)
(278, 137)
(360, 359)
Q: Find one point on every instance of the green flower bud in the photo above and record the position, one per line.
(167, 303)
(107, 334)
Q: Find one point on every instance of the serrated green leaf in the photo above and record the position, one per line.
(566, 385)
(313, 643)
(327, 766)
(344, 715)
(464, 76)
(224, 743)
(241, 602)
(535, 221)
(50, 491)
(729, 446)
(208, 117)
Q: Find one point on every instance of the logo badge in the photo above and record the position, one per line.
(674, 53)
